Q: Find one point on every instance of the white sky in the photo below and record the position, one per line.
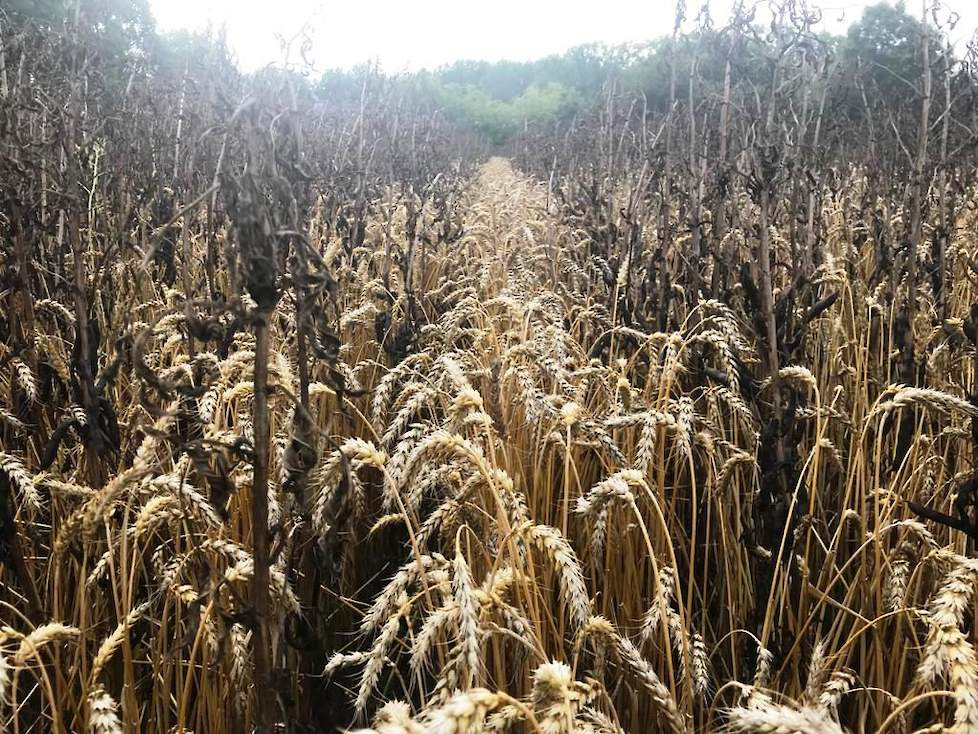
(413, 34)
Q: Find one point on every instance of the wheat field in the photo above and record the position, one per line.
(362, 402)
(536, 519)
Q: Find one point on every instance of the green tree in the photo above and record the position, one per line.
(44, 12)
(883, 48)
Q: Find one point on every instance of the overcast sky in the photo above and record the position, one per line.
(413, 34)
